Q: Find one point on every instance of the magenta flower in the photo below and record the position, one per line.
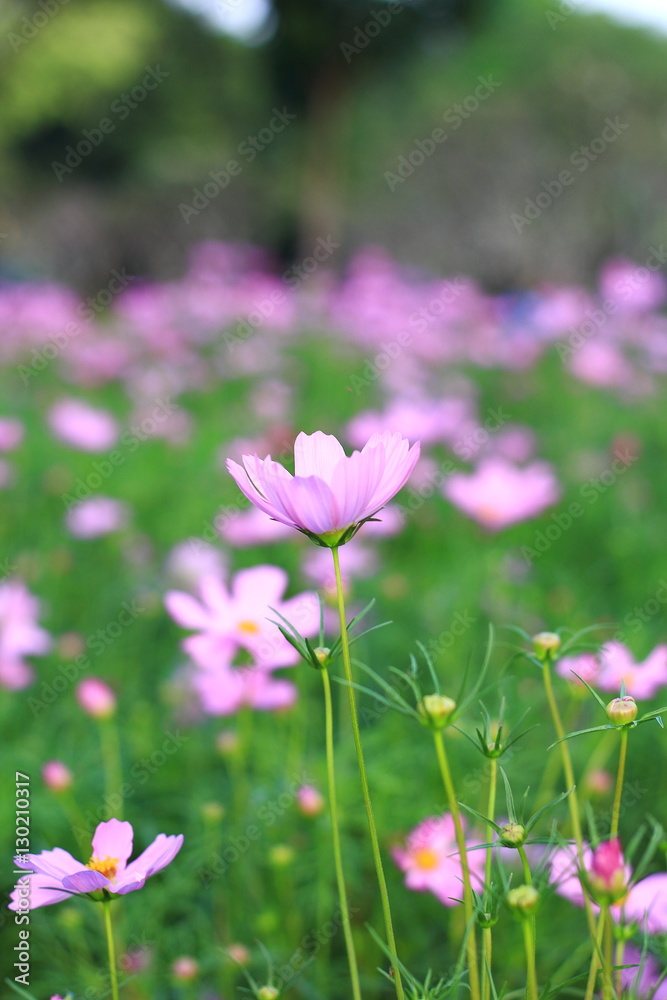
(96, 698)
(232, 620)
(499, 494)
(642, 680)
(644, 902)
(585, 665)
(330, 494)
(431, 860)
(96, 516)
(55, 875)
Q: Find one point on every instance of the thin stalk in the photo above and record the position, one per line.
(607, 987)
(595, 957)
(529, 947)
(375, 845)
(620, 776)
(471, 943)
(572, 799)
(111, 950)
(487, 939)
(527, 877)
(338, 859)
(618, 961)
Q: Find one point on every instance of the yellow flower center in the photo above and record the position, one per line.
(105, 866)
(426, 858)
(249, 627)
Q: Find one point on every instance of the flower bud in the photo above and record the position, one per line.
(96, 698)
(620, 711)
(57, 776)
(239, 953)
(546, 645)
(523, 900)
(598, 782)
(309, 801)
(607, 875)
(512, 835)
(436, 710)
(281, 855)
(185, 969)
(267, 993)
(322, 654)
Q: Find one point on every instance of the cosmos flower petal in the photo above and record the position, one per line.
(316, 454)
(87, 880)
(113, 839)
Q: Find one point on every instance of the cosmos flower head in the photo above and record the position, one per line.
(55, 875)
(330, 494)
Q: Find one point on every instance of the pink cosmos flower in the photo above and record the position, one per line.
(431, 860)
(224, 690)
(97, 516)
(330, 494)
(641, 981)
(57, 874)
(83, 426)
(20, 635)
(236, 619)
(642, 680)
(586, 665)
(645, 902)
(309, 800)
(499, 494)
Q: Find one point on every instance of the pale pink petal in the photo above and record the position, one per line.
(186, 611)
(157, 856)
(113, 839)
(316, 454)
(87, 880)
(43, 891)
(647, 903)
(260, 587)
(55, 863)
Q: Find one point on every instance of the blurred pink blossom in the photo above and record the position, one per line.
(310, 801)
(57, 776)
(229, 620)
(223, 689)
(96, 698)
(431, 861)
(586, 665)
(641, 981)
(95, 517)
(498, 494)
(632, 288)
(83, 426)
(11, 433)
(642, 680)
(20, 635)
(192, 559)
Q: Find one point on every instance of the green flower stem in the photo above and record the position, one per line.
(487, 939)
(471, 943)
(377, 857)
(620, 776)
(595, 957)
(572, 799)
(111, 949)
(607, 972)
(618, 961)
(338, 860)
(527, 877)
(113, 774)
(529, 947)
